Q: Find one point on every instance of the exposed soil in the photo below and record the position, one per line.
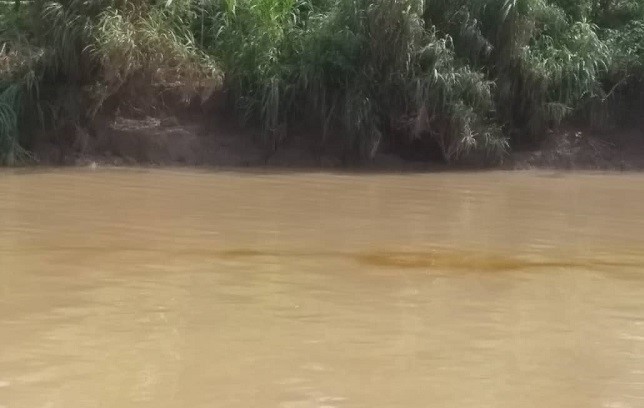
(191, 141)
(575, 149)
(150, 141)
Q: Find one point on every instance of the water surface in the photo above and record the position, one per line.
(137, 288)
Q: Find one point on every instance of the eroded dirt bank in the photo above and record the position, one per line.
(169, 141)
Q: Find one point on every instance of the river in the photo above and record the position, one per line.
(176, 288)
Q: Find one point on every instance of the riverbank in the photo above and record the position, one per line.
(193, 142)
(439, 81)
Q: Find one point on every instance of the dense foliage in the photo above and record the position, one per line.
(465, 76)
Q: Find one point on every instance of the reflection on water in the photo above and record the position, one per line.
(191, 289)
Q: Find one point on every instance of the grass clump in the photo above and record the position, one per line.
(64, 61)
(17, 77)
(353, 68)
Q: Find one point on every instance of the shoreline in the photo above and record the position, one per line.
(220, 145)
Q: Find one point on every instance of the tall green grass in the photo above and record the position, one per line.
(545, 64)
(464, 76)
(353, 68)
(17, 58)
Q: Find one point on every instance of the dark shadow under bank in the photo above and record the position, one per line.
(193, 143)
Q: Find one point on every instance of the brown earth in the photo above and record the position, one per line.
(169, 141)
(574, 149)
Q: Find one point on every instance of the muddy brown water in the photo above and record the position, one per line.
(158, 288)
